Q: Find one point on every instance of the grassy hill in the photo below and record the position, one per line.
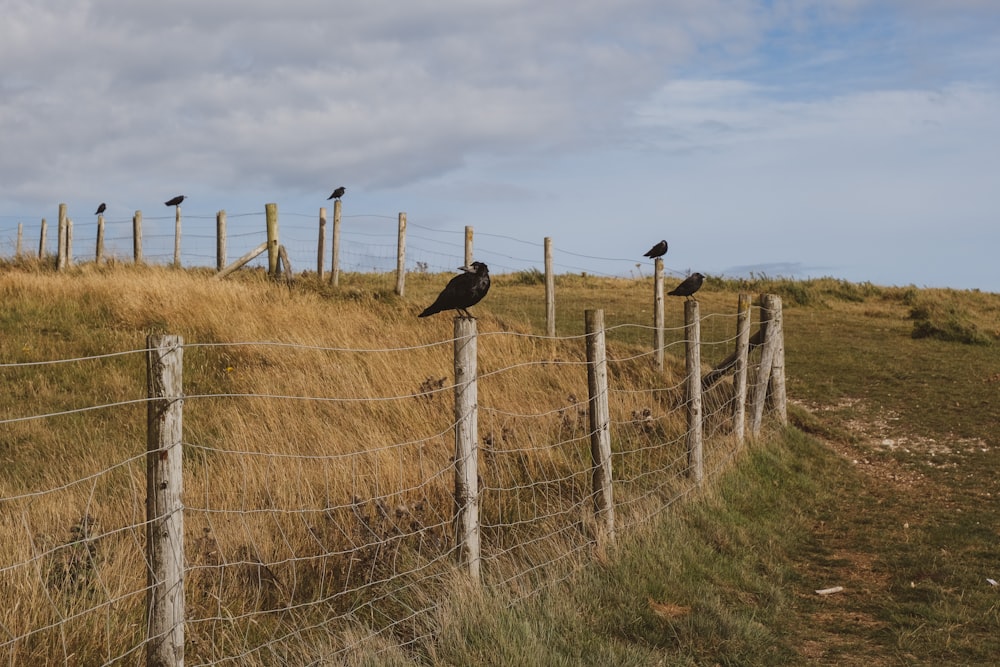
(885, 485)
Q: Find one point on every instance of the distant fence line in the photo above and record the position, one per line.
(165, 608)
(367, 248)
(278, 260)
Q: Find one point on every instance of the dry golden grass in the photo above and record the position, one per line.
(328, 490)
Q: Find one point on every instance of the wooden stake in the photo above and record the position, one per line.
(550, 291)
(164, 510)
(600, 423)
(401, 256)
(335, 246)
(742, 357)
(692, 328)
(468, 245)
(321, 244)
(137, 237)
(220, 240)
(271, 216)
(658, 319)
(467, 535)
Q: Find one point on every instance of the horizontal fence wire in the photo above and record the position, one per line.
(306, 544)
(367, 243)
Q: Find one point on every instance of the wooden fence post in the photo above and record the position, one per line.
(600, 423)
(20, 238)
(220, 240)
(61, 243)
(41, 239)
(468, 245)
(658, 318)
(550, 291)
(335, 246)
(466, 447)
(164, 511)
(177, 236)
(321, 244)
(271, 217)
(241, 261)
(69, 242)
(401, 256)
(99, 250)
(285, 264)
(766, 363)
(137, 237)
(692, 328)
(742, 357)
(777, 383)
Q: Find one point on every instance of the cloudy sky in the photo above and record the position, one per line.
(858, 139)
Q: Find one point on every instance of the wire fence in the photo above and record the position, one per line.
(320, 525)
(368, 244)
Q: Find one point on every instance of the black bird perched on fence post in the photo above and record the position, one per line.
(689, 286)
(658, 250)
(463, 291)
(101, 209)
(338, 193)
(176, 201)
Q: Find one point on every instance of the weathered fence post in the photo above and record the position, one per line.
(321, 244)
(550, 291)
(241, 261)
(177, 236)
(335, 246)
(164, 511)
(99, 249)
(20, 238)
(468, 245)
(600, 423)
(466, 446)
(692, 328)
(137, 237)
(777, 383)
(271, 218)
(742, 357)
(69, 242)
(285, 264)
(61, 243)
(220, 240)
(401, 256)
(658, 319)
(766, 362)
(41, 239)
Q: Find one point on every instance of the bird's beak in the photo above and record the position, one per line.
(467, 269)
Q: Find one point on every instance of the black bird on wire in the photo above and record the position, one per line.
(101, 209)
(463, 291)
(338, 193)
(658, 250)
(689, 286)
(176, 201)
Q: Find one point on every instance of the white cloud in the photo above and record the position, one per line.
(740, 112)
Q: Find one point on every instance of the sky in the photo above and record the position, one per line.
(858, 139)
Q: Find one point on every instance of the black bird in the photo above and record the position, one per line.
(101, 209)
(176, 201)
(338, 193)
(690, 285)
(463, 291)
(658, 250)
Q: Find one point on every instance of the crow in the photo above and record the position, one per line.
(101, 209)
(338, 193)
(658, 250)
(176, 201)
(463, 291)
(690, 285)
